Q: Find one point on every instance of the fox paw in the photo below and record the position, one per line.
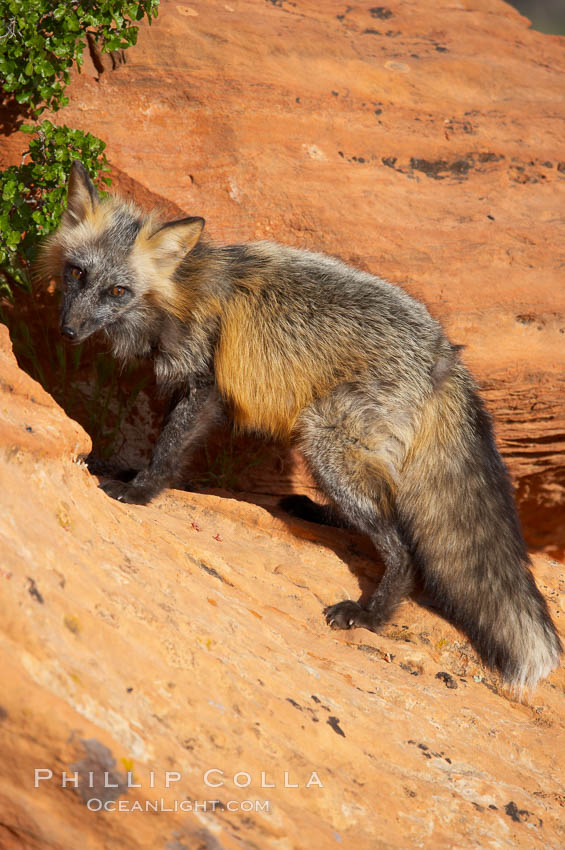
(304, 508)
(345, 615)
(129, 493)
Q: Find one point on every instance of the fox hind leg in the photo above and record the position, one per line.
(351, 454)
(396, 583)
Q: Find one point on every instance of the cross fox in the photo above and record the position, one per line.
(297, 345)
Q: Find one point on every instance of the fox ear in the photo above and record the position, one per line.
(82, 196)
(174, 240)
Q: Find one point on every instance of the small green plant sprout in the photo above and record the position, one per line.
(41, 39)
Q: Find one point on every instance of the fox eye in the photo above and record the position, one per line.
(77, 273)
(117, 291)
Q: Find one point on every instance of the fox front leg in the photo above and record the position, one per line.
(188, 422)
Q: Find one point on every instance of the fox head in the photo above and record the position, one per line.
(113, 262)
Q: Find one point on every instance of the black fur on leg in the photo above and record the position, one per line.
(109, 469)
(305, 508)
(396, 583)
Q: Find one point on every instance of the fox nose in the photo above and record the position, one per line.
(69, 332)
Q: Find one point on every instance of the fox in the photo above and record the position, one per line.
(300, 347)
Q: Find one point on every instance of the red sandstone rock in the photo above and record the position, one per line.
(426, 146)
(189, 635)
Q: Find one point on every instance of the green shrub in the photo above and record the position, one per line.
(33, 194)
(40, 40)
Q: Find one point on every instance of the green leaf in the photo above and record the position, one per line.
(50, 38)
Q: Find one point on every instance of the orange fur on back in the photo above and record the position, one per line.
(269, 375)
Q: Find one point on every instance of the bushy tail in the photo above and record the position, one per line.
(457, 508)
